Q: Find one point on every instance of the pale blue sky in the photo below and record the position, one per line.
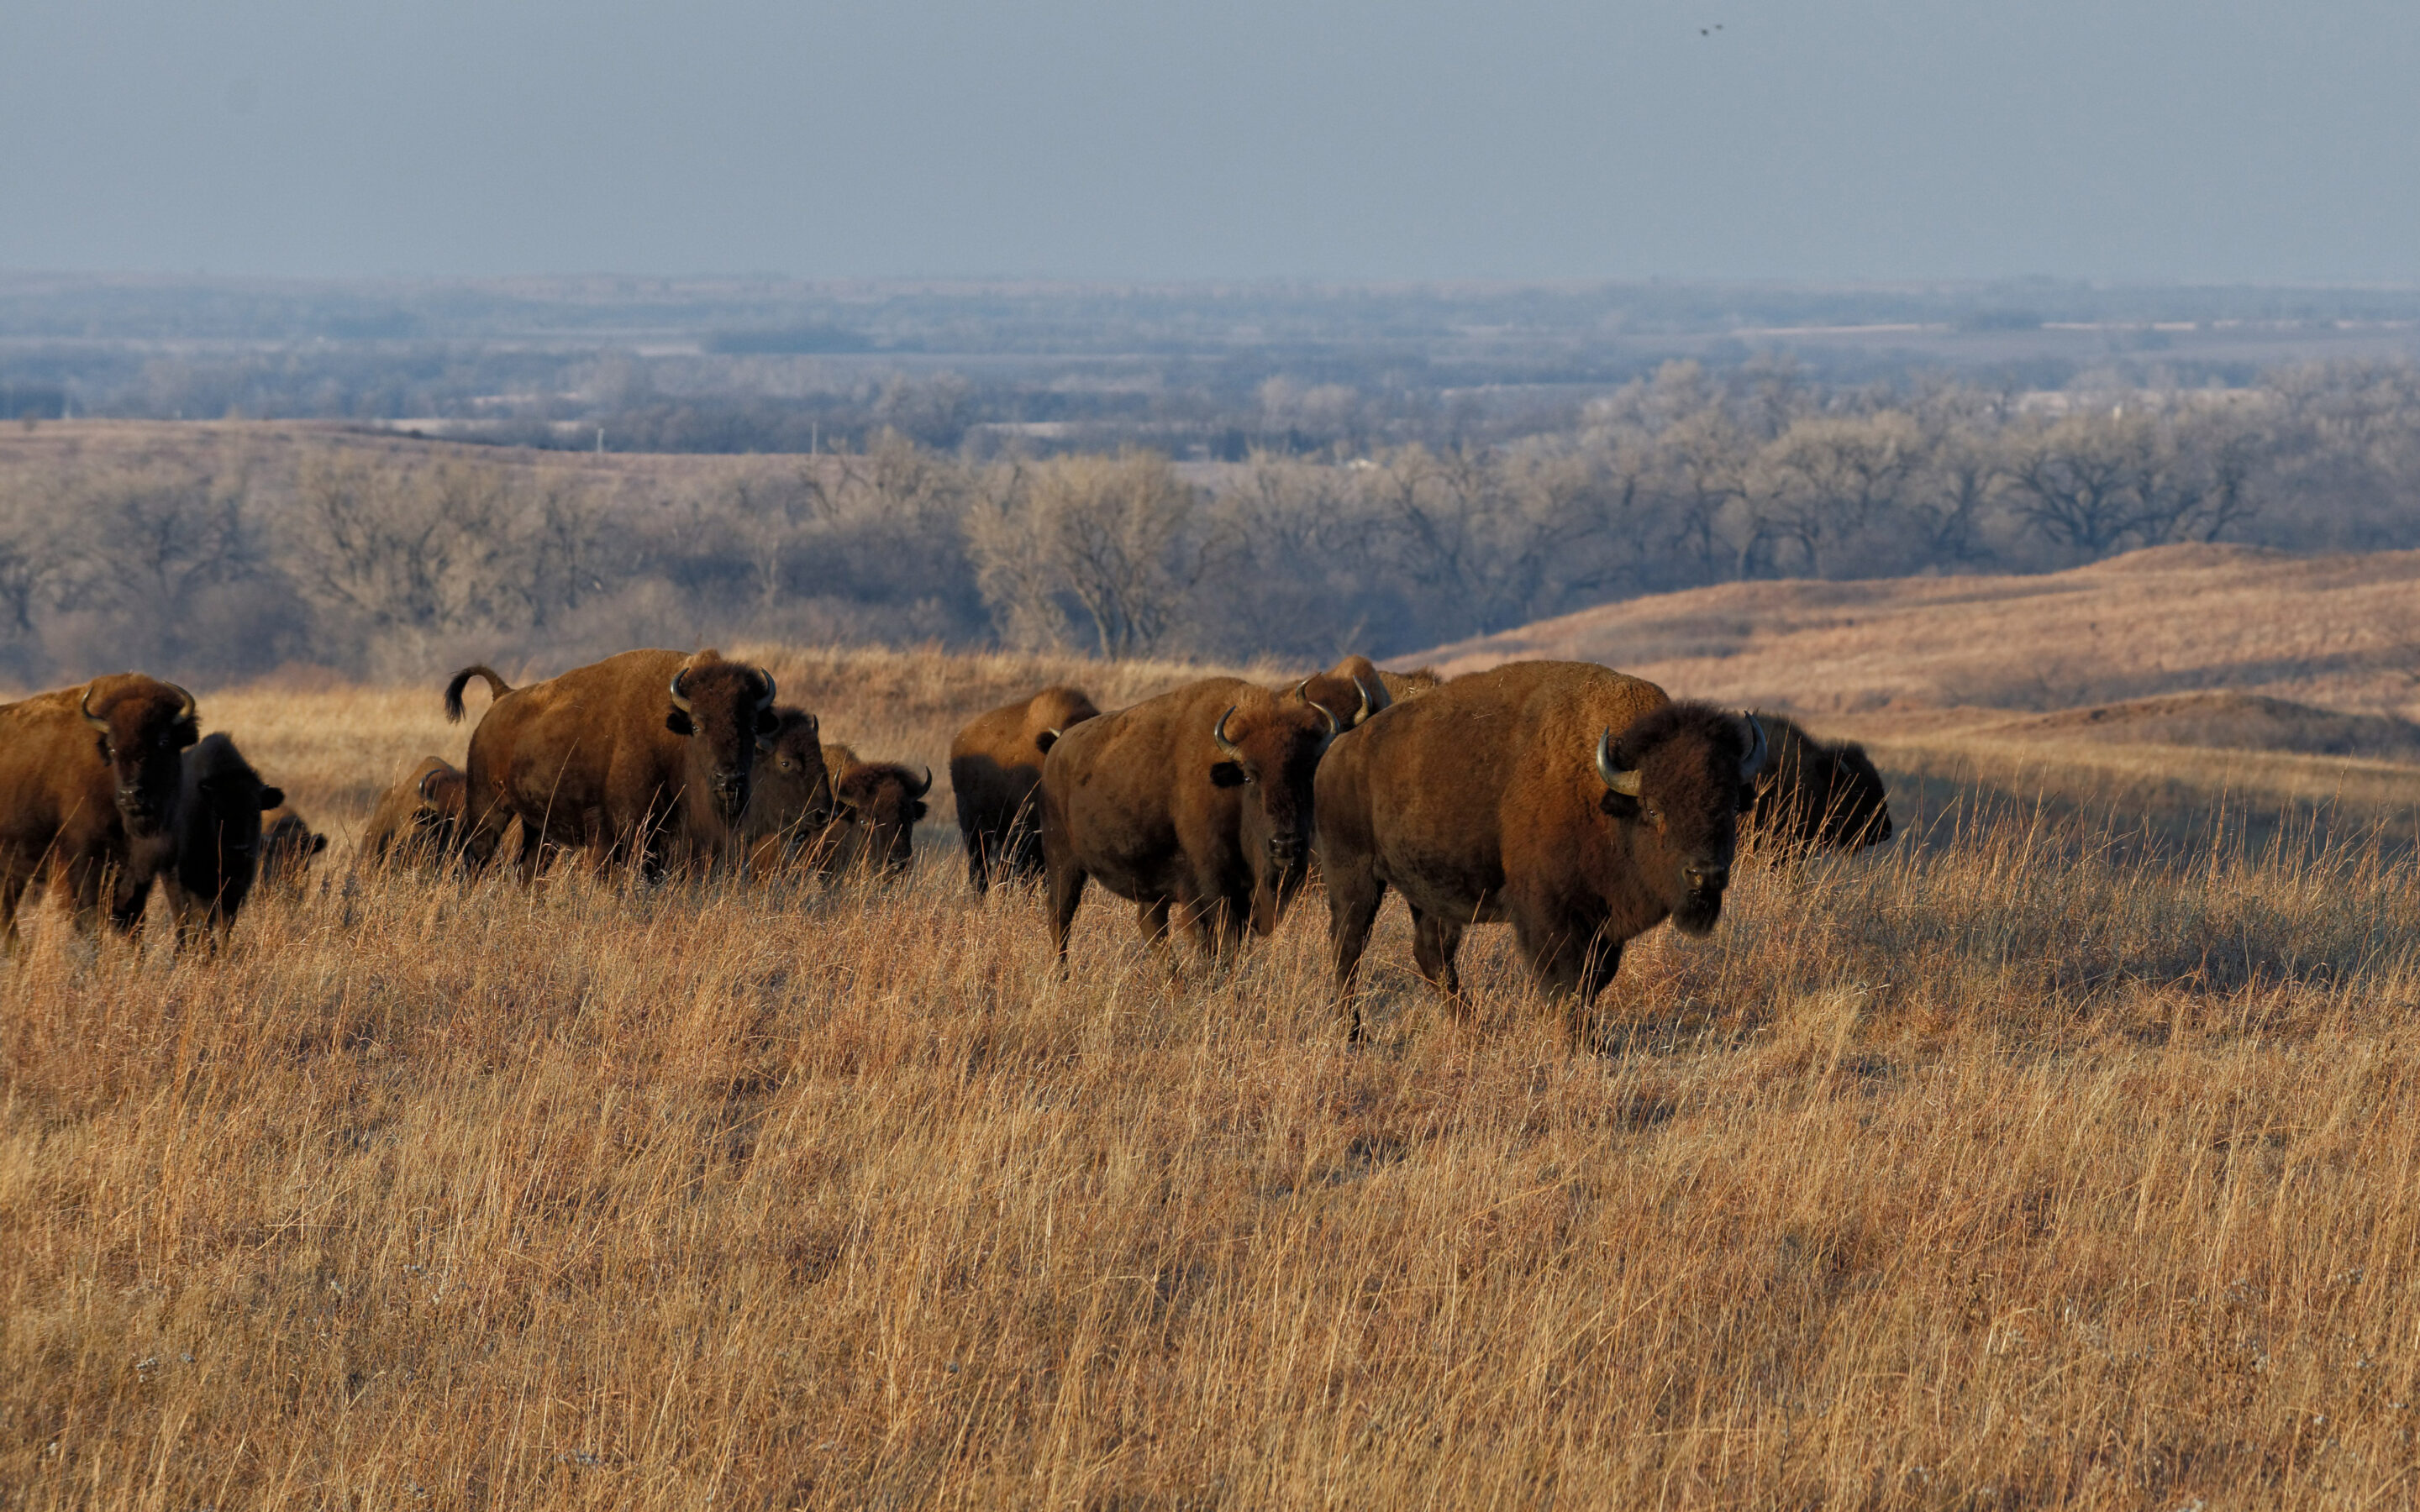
(2231, 140)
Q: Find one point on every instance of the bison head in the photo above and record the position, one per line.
(792, 788)
(1271, 751)
(1674, 780)
(219, 825)
(879, 803)
(144, 727)
(720, 707)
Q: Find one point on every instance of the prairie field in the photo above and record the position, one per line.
(2044, 1157)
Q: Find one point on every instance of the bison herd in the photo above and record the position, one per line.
(1581, 806)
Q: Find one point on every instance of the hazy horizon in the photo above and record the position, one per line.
(1545, 142)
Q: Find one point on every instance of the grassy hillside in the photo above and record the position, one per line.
(1992, 1170)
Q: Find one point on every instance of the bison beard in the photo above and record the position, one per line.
(1195, 804)
(625, 755)
(1580, 805)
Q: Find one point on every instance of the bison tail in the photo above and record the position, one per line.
(497, 688)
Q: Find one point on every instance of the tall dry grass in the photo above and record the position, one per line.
(1999, 1169)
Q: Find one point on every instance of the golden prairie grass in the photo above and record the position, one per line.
(1995, 1170)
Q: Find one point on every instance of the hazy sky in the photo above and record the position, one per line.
(2249, 140)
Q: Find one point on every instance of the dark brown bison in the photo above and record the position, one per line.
(1812, 796)
(289, 845)
(91, 778)
(418, 822)
(790, 801)
(1580, 805)
(628, 755)
(218, 841)
(876, 807)
(996, 772)
(1352, 690)
(1195, 802)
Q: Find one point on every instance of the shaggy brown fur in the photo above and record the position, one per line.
(90, 777)
(1811, 797)
(218, 841)
(418, 822)
(1401, 686)
(606, 756)
(996, 772)
(791, 799)
(1483, 801)
(1148, 802)
(876, 807)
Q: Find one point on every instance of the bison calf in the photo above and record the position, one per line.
(418, 822)
(1195, 804)
(91, 778)
(790, 801)
(1581, 805)
(996, 772)
(876, 808)
(1811, 797)
(289, 845)
(218, 841)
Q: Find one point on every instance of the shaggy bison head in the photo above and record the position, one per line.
(218, 847)
(1271, 751)
(144, 727)
(1677, 778)
(879, 803)
(722, 708)
(792, 790)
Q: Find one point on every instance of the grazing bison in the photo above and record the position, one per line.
(418, 822)
(1580, 805)
(1352, 690)
(996, 772)
(628, 754)
(218, 841)
(1197, 802)
(90, 777)
(876, 806)
(790, 801)
(1811, 797)
(289, 845)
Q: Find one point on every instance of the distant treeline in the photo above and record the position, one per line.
(392, 561)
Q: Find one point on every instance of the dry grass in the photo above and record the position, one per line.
(1992, 1171)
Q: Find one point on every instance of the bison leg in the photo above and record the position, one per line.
(12, 892)
(1353, 894)
(1573, 957)
(1066, 892)
(978, 860)
(1435, 942)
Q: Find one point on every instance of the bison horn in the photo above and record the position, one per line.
(1622, 780)
(1302, 692)
(425, 795)
(765, 700)
(679, 701)
(1219, 733)
(84, 705)
(927, 787)
(1363, 689)
(187, 709)
(1330, 715)
(1753, 761)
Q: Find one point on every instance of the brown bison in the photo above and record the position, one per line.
(1580, 805)
(1400, 686)
(876, 807)
(90, 780)
(1352, 690)
(628, 755)
(790, 801)
(1197, 802)
(1811, 797)
(996, 772)
(218, 841)
(289, 845)
(418, 822)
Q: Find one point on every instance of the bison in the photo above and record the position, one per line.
(876, 807)
(996, 772)
(628, 754)
(418, 822)
(289, 845)
(90, 781)
(1196, 803)
(1811, 797)
(790, 801)
(218, 841)
(1352, 690)
(1581, 805)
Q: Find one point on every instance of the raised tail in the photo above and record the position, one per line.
(497, 688)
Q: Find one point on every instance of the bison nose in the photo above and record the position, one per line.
(1708, 878)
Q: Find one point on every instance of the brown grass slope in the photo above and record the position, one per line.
(1992, 1170)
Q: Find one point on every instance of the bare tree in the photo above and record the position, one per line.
(1113, 538)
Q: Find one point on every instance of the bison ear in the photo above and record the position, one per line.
(1227, 774)
(678, 723)
(764, 747)
(1619, 805)
(1043, 741)
(917, 811)
(271, 798)
(318, 842)
(186, 732)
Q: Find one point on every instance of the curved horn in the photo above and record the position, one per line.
(1219, 733)
(1622, 780)
(679, 701)
(84, 706)
(1330, 715)
(424, 780)
(1302, 692)
(1363, 689)
(187, 710)
(919, 792)
(765, 700)
(1753, 761)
